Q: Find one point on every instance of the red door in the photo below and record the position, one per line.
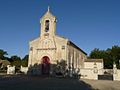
(45, 65)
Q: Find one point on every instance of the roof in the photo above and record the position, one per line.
(94, 60)
(71, 43)
(60, 36)
(48, 13)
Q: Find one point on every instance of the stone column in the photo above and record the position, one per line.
(114, 69)
(116, 73)
(70, 68)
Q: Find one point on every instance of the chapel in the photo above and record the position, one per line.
(51, 53)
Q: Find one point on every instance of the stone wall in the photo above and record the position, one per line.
(116, 75)
(24, 69)
(10, 69)
(89, 73)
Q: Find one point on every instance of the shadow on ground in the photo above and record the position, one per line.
(41, 83)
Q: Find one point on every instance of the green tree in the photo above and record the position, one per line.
(115, 54)
(109, 56)
(16, 61)
(96, 53)
(2, 54)
(102, 54)
(25, 61)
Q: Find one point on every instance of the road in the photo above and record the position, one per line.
(41, 83)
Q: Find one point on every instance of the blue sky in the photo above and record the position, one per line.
(88, 23)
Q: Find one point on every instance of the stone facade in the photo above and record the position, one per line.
(92, 63)
(50, 49)
(92, 68)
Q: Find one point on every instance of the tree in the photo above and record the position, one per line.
(101, 54)
(16, 61)
(2, 54)
(3, 64)
(61, 67)
(25, 61)
(109, 56)
(96, 53)
(115, 54)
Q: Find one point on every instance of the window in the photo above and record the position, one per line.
(46, 25)
(31, 48)
(63, 47)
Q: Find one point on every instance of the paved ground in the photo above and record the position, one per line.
(103, 84)
(47, 83)
(41, 83)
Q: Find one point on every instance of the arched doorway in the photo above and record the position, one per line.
(45, 65)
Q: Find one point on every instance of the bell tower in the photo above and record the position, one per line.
(48, 24)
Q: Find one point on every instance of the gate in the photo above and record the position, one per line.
(105, 77)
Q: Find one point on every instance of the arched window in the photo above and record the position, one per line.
(46, 25)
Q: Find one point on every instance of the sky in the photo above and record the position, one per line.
(88, 23)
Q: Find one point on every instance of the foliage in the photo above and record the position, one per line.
(13, 60)
(109, 56)
(61, 67)
(3, 60)
(16, 61)
(3, 64)
(2, 54)
(24, 61)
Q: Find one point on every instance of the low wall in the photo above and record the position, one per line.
(100, 71)
(24, 69)
(10, 69)
(116, 75)
(89, 73)
(92, 73)
(108, 71)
